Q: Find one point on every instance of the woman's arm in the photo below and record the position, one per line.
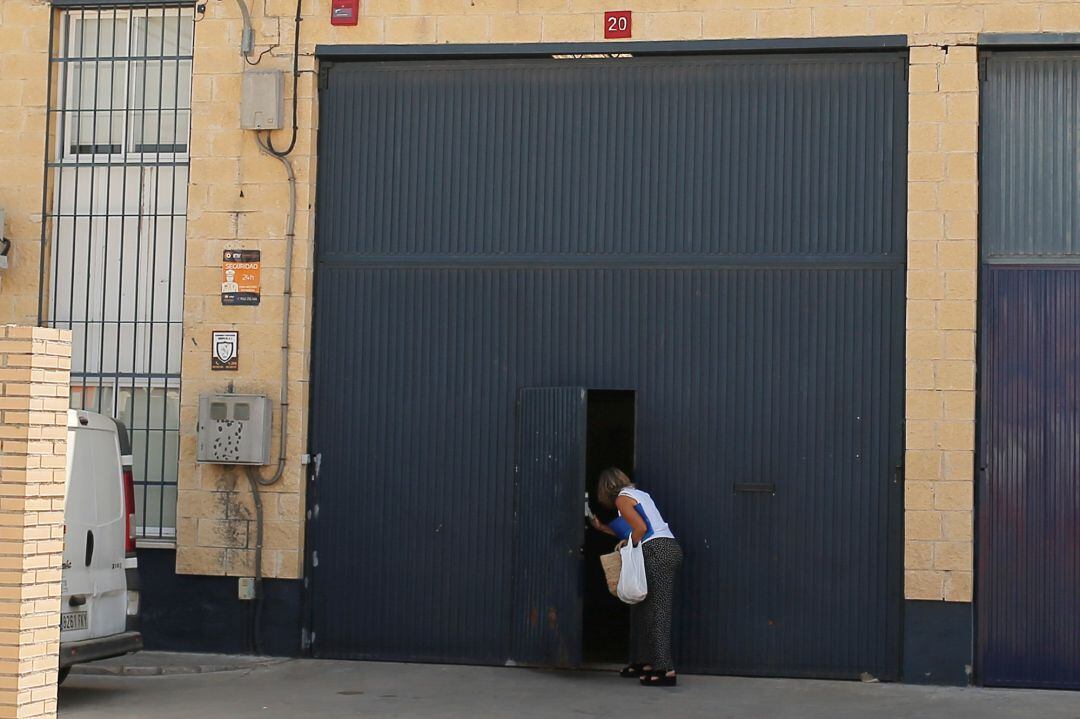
(638, 528)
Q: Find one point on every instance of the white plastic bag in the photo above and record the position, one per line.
(632, 584)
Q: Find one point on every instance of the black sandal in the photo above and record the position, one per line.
(633, 671)
(659, 679)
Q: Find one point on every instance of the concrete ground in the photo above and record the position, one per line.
(331, 689)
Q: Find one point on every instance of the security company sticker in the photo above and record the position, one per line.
(225, 350)
(240, 276)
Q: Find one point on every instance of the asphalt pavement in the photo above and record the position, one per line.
(246, 688)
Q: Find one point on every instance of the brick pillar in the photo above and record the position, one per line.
(942, 270)
(34, 368)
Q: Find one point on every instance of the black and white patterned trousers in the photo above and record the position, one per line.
(650, 621)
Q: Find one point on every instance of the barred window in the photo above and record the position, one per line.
(116, 223)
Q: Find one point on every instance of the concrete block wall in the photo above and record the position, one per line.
(237, 199)
(24, 67)
(34, 366)
(942, 272)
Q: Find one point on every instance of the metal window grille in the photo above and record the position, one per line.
(115, 210)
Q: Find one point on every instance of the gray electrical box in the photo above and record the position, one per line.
(234, 429)
(262, 100)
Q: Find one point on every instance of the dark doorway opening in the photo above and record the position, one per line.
(609, 442)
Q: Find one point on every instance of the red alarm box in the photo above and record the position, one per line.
(344, 12)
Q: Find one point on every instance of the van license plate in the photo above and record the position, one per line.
(72, 620)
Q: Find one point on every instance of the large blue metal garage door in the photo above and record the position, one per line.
(1029, 410)
(722, 235)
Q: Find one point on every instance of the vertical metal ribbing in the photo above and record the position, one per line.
(125, 165)
(636, 225)
(1027, 494)
(140, 55)
(78, 124)
(91, 204)
(108, 213)
(155, 218)
(167, 370)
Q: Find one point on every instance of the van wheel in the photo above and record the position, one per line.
(63, 675)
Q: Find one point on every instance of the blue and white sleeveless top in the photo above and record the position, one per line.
(646, 508)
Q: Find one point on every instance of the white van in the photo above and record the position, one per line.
(100, 590)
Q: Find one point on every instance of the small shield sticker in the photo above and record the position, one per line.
(225, 350)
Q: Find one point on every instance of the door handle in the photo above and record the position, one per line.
(77, 600)
(89, 546)
(754, 487)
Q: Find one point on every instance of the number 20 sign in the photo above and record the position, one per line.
(616, 24)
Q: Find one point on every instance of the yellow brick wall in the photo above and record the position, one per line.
(24, 64)
(34, 366)
(942, 268)
(237, 199)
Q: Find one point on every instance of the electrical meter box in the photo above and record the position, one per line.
(234, 429)
(262, 95)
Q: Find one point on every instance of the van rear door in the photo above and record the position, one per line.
(94, 601)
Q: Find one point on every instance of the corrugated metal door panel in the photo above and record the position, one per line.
(1029, 502)
(604, 159)
(1030, 152)
(762, 333)
(1028, 561)
(780, 376)
(549, 526)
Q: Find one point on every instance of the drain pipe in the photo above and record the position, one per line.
(255, 478)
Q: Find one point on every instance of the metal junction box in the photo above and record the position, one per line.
(234, 429)
(262, 100)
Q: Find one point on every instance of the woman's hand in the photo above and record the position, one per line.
(600, 526)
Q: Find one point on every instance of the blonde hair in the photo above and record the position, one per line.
(612, 481)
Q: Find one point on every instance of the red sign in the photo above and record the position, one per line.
(617, 24)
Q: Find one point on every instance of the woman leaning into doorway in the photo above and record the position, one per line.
(650, 621)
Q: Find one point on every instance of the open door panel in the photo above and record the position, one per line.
(549, 526)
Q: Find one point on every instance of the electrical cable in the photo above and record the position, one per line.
(261, 55)
(295, 87)
(255, 479)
